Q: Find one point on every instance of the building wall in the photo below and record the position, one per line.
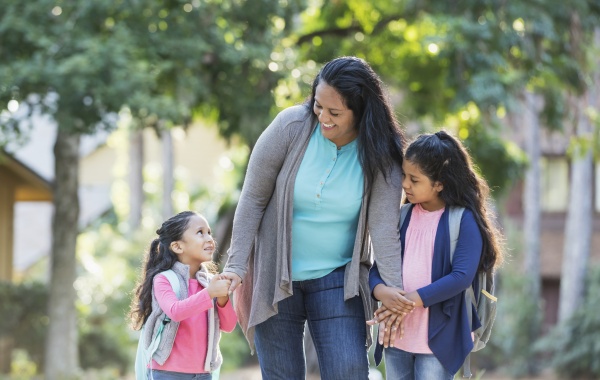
(7, 199)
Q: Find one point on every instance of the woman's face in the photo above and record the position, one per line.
(337, 121)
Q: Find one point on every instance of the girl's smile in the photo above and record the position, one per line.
(196, 245)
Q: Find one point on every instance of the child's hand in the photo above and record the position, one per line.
(218, 287)
(393, 299)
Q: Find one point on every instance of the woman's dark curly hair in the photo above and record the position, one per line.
(443, 158)
(159, 258)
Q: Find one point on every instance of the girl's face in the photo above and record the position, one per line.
(196, 245)
(337, 121)
(419, 188)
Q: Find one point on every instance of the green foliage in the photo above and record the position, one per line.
(574, 346)
(24, 320)
(501, 162)
(168, 62)
(235, 350)
(518, 319)
(443, 56)
(101, 349)
(65, 60)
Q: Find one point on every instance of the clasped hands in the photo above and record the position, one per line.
(395, 305)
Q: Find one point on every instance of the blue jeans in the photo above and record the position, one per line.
(337, 328)
(402, 365)
(168, 375)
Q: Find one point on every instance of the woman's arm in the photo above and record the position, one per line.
(464, 266)
(383, 218)
(264, 166)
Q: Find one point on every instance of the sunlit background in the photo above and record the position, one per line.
(116, 114)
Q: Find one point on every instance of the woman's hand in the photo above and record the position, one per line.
(393, 299)
(234, 278)
(389, 324)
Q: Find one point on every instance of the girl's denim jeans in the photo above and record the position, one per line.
(168, 375)
(402, 365)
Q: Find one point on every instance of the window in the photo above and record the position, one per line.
(555, 184)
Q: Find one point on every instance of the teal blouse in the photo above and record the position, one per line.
(328, 195)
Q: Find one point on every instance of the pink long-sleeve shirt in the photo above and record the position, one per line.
(416, 271)
(189, 349)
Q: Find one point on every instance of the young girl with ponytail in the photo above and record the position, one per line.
(189, 346)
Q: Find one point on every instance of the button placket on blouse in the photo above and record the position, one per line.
(323, 180)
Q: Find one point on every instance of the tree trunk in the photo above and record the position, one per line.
(168, 177)
(62, 360)
(136, 177)
(531, 195)
(532, 210)
(578, 229)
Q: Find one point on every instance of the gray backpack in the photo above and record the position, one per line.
(485, 304)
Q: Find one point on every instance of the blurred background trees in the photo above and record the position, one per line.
(503, 76)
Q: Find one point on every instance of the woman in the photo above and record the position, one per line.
(321, 195)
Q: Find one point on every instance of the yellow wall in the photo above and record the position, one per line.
(7, 200)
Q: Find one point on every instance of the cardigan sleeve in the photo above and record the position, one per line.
(383, 218)
(176, 309)
(264, 166)
(464, 264)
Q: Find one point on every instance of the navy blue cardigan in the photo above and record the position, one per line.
(449, 333)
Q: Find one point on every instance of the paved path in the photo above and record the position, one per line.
(253, 373)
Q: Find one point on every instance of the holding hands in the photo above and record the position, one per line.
(396, 304)
(219, 288)
(235, 280)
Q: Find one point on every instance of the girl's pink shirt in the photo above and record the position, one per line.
(189, 349)
(416, 272)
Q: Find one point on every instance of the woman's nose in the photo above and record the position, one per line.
(322, 117)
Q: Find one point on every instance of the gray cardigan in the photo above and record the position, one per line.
(213, 354)
(261, 243)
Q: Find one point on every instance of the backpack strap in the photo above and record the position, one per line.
(454, 219)
(144, 355)
(403, 212)
(174, 281)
